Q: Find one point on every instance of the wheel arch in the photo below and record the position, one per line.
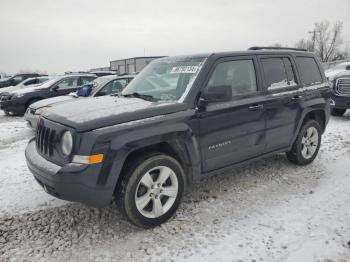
(181, 145)
(316, 114)
(36, 98)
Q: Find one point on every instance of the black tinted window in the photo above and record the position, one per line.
(308, 69)
(278, 72)
(68, 83)
(238, 74)
(86, 80)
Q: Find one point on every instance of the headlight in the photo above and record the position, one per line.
(67, 143)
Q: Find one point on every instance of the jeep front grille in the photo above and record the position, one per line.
(45, 140)
(343, 86)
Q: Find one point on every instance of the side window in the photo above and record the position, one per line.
(42, 80)
(309, 72)
(30, 82)
(86, 80)
(68, 83)
(238, 74)
(278, 72)
(289, 71)
(17, 79)
(119, 85)
(112, 87)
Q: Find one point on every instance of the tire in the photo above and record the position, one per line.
(338, 111)
(143, 198)
(7, 113)
(307, 144)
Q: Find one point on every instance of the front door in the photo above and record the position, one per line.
(233, 131)
(66, 86)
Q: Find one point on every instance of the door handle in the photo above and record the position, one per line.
(296, 97)
(256, 107)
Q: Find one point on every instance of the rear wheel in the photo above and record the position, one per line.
(307, 143)
(151, 189)
(338, 111)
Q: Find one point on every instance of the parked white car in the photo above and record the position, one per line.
(342, 68)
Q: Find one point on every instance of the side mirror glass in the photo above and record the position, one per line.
(214, 94)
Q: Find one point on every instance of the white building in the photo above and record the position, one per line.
(131, 65)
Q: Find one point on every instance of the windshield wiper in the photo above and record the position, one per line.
(142, 96)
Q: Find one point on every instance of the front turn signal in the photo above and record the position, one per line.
(89, 160)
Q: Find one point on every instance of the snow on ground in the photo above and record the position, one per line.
(270, 210)
(19, 192)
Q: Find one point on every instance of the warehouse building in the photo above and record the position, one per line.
(100, 69)
(131, 65)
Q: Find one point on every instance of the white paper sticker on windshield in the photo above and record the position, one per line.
(184, 70)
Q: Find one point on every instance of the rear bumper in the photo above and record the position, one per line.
(342, 102)
(70, 182)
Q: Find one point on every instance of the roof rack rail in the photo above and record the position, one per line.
(276, 48)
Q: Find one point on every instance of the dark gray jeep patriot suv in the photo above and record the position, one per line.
(181, 119)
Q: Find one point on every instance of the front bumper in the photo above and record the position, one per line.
(11, 106)
(31, 119)
(342, 102)
(72, 182)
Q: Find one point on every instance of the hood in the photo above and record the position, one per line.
(50, 101)
(9, 89)
(96, 112)
(331, 75)
(28, 89)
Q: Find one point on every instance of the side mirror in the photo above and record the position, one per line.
(55, 88)
(214, 94)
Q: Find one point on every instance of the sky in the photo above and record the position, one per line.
(62, 35)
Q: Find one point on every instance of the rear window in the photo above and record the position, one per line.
(278, 72)
(309, 71)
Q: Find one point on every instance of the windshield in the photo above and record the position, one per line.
(166, 79)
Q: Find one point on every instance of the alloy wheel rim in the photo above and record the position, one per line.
(309, 142)
(156, 192)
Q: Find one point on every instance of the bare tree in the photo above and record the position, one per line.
(326, 41)
(304, 44)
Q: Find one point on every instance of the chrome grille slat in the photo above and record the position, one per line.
(343, 86)
(45, 140)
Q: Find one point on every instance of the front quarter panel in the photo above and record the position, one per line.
(121, 140)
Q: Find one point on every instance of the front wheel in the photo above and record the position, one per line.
(151, 190)
(338, 111)
(307, 143)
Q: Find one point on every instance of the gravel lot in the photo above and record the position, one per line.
(271, 210)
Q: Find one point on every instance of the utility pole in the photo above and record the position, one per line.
(313, 39)
(313, 32)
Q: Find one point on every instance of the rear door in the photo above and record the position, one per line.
(282, 101)
(233, 131)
